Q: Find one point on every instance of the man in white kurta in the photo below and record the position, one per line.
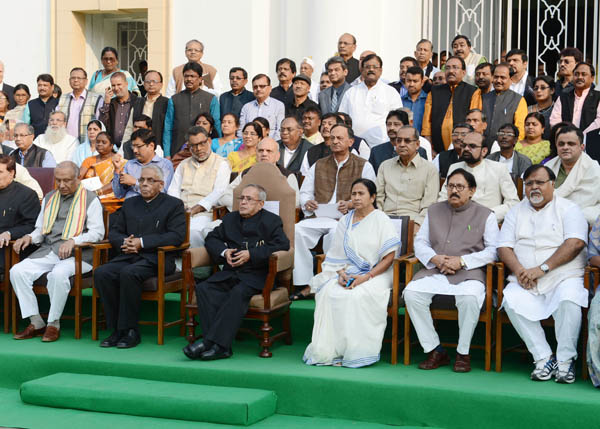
(543, 242)
(56, 139)
(577, 175)
(495, 188)
(328, 182)
(369, 102)
(200, 181)
(455, 243)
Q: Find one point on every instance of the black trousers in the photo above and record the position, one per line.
(221, 308)
(120, 287)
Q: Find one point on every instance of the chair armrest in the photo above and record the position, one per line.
(219, 212)
(283, 259)
(101, 245)
(182, 246)
(320, 259)
(199, 257)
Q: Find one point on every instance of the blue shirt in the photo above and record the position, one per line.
(417, 107)
(134, 168)
(224, 150)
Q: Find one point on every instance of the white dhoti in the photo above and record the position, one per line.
(307, 235)
(23, 274)
(200, 226)
(469, 296)
(525, 311)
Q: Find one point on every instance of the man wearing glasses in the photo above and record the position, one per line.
(515, 162)
(264, 105)
(80, 105)
(542, 242)
(155, 104)
(145, 222)
(495, 188)
(455, 243)
(243, 244)
(27, 153)
(233, 101)
(125, 183)
(194, 51)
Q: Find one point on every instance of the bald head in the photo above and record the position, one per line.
(268, 151)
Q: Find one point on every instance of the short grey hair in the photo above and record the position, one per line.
(30, 129)
(413, 129)
(69, 165)
(195, 41)
(155, 169)
(262, 192)
(59, 112)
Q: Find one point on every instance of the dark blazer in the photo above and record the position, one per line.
(137, 104)
(297, 158)
(520, 163)
(385, 151)
(10, 91)
(233, 104)
(158, 116)
(262, 234)
(325, 98)
(160, 222)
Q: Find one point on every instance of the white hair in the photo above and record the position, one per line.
(157, 170)
(262, 193)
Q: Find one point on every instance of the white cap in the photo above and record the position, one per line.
(309, 61)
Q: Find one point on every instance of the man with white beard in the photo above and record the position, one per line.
(56, 140)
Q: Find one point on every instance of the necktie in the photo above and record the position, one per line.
(334, 100)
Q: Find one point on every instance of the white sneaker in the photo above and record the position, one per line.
(544, 369)
(566, 372)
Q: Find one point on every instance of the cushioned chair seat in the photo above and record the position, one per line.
(278, 296)
(86, 280)
(151, 284)
(446, 302)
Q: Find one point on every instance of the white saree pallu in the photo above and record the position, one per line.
(349, 323)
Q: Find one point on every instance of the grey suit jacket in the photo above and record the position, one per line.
(520, 162)
(325, 98)
(296, 161)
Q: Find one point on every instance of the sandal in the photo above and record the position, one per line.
(299, 296)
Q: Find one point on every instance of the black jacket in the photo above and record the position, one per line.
(158, 116)
(158, 223)
(297, 157)
(262, 234)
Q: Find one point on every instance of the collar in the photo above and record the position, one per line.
(340, 164)
(266, 102)
(155, 159)
(461, 208)
(414, 161)
(82, 95)
(583, 94)
(152, 100)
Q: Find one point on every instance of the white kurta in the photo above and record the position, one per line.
(61, 151)
(535, 236)
(350, 323)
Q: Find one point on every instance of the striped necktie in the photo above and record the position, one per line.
(334, 100)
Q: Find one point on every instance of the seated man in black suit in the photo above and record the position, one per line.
(145, 222)
(243, 244)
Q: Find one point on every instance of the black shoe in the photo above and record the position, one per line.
(194, 350)
(113, 340)
(216, 352)
(130, 339)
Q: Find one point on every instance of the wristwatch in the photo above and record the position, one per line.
(462, 263)
(545, 268)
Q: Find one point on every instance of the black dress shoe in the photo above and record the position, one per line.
(216, 352)
(129, 340)
(194, 350)
(113, 340)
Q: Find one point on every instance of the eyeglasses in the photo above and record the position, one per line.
(456, 134)
(505, 134)
(371, 67)
(249, 134)
(235, 78)
(458, 187)
(76, 78)
(21, 136)
(530, 183)
(138, 146)
(403, 140)
(540, 88)
(288, 130)
(197, 145)
(109, 59)
(453, 67)
(3, 98)
(471, 146)
(193, 50)
(259, 86)
(152, 82)
(148, 180)
(245, 198)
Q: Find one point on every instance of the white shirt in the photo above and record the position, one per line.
(307, 191)
(520, 86)
(508, 162)
(495, 188)
(424, 252)
(287, 155)
(219, 187)
(271, 109)
(61, 151)
(368, 109)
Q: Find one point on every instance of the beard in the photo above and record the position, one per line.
(55, 136)
(468, 158)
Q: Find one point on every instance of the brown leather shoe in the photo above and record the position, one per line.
(435, 360)
(29, 332)
(463, 363)
(51, 334)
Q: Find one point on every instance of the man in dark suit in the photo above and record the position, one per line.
(144, 223)
(330, 98)
(243, 244)
(154, 105)
(292, 146)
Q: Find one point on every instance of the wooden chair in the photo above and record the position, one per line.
(502, 317)
(154, 289)
(79, 282)
(44, 176)
(274, 301)
(443, 308)
(406, 251)
(518, 181)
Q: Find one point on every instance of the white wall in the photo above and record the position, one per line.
(255, 34)
(26, 41)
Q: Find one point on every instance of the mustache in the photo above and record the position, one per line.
(454, 195)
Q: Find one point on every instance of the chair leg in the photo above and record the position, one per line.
(6, 307)
(287, 327)
(191, 325)
(406, 337)
(182, 313)
(498, 342)
(78, 316)
(13, 304)
(94, 315)
(584, 338)
(488, 343)
(161, 320)
(394, 359)
(266, 340)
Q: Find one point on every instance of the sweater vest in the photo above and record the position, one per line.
(456, 232)
(39, 112)
(187, 107)
(317, 152)
(33, 158)
(499, 109)
(209, 73)
(588, 110)
(327, 176)
(86, 114)
(198, 178)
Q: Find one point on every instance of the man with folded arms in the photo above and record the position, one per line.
(71, 215)
(144, 223)
(543, 242)
(455, 243)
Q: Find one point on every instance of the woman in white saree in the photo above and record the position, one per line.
(353, 289)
